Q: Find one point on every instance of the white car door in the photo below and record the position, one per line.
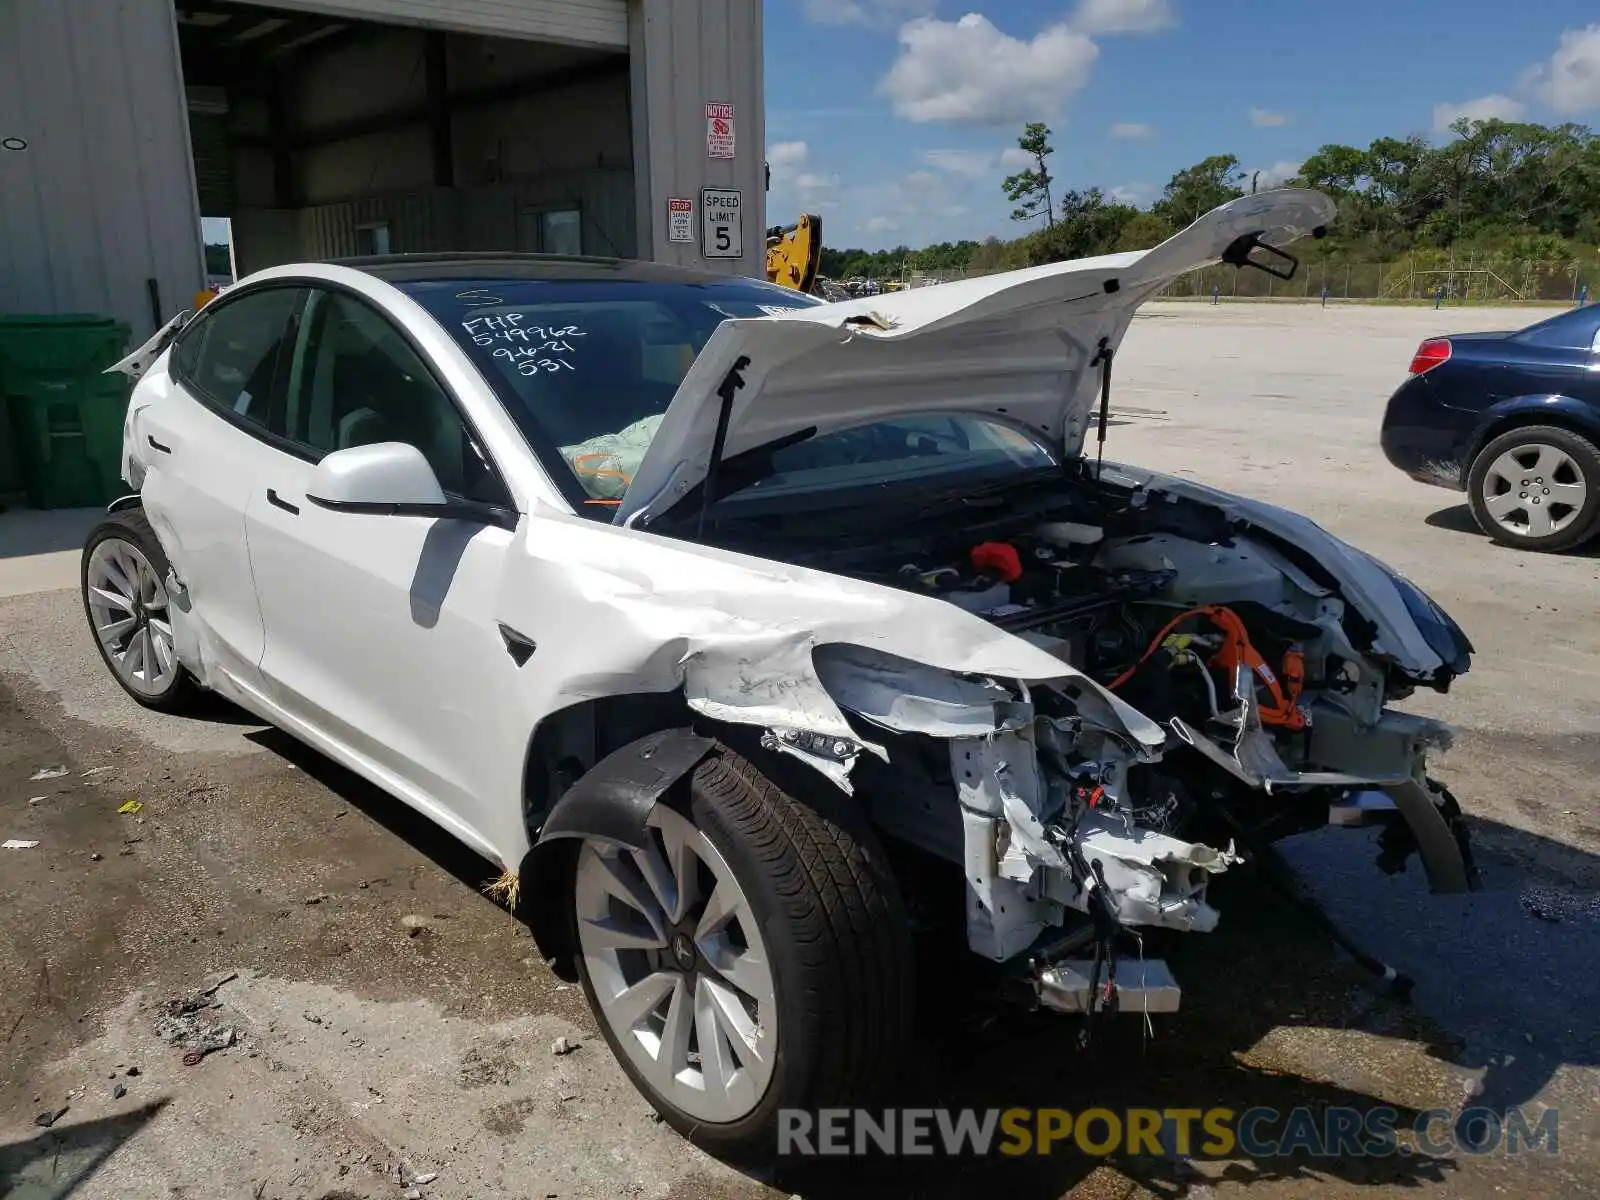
(380, 629)
(197, 433)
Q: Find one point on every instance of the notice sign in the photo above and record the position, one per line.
(721, 223)
(719, 130)
(680, 220)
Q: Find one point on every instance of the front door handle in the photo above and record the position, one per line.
(278, 501)
(155, 445)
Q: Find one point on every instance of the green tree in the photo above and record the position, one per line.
(1195, 191)
(1493, 188)
(1030, 189)
(1143, 231)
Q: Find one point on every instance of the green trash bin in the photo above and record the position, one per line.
(65, 413)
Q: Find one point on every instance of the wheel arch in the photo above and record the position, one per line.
(1562, 412)
(574, 771)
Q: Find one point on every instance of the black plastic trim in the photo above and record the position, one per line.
(450, 510)
(612, 801)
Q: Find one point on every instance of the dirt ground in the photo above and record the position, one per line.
(389, 1022)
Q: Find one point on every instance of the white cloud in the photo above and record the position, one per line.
(969, 164)
(969, 72)
(1263, 118)
(1015, 158)
(783, 157)
(1132, 129)
(1568, 83)
(1124, 16)
(1484, 108)
(1571, 81)
(881, 14)
(882, 225)
(1136, 194)
(1278, 174)
(815, 190)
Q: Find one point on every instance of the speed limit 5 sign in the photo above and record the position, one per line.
(721, 223)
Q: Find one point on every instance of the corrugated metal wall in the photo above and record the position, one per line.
(102, 198)
(687, 53)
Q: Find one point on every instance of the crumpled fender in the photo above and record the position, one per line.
(617, 611)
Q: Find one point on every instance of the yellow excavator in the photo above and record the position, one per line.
(794, 253)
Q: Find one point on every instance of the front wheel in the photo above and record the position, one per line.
(125, 598)
(754, 956)
(1537, 488)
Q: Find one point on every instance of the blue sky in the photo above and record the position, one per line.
(891, 117)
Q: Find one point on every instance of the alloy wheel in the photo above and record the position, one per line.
(678, 968)
(1535, 490)
(128, 609)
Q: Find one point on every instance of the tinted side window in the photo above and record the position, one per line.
(232, 355)
(355, 380)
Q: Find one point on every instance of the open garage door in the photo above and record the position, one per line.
(445, 125)
(569, 22)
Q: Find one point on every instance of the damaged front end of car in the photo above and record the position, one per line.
(1230, 695)
(1194, 675)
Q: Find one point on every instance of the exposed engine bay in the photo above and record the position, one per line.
(1266, 684)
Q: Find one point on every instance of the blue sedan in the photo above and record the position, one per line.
(1513, 420)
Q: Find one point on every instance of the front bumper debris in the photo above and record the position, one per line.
(1140, 986)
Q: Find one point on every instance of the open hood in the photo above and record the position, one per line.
(1023, 348)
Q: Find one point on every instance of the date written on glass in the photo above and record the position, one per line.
(530, 348)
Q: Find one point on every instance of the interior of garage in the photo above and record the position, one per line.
(323, 137)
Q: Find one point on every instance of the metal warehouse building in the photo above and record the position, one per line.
(325, 128)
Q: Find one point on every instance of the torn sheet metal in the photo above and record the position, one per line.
(1151, 879)
(910, 698)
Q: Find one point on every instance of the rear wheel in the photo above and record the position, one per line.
(753, 957)
(125, 598)
(1537, 488)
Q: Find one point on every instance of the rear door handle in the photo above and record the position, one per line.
(278, 501)
(155, 445)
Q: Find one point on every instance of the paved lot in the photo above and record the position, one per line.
(388, 1012)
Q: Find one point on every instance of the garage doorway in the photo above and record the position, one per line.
(321, 136)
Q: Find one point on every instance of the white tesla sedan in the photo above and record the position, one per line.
(722, 620)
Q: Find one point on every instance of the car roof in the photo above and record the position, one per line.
(414, 268)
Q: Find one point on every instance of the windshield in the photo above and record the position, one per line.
(587, 367)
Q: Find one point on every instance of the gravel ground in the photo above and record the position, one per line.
(389, 1021)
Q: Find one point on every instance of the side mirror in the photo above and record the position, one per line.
(392, 479)
(382, 478)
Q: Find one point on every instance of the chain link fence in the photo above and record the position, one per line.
(1468, 281)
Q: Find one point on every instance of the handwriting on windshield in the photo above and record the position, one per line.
(529, 348)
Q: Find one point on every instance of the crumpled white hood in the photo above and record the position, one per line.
(1018, 347)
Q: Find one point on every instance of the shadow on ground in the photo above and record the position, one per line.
(53, 1163)
(1265, 971)
(24, 531)
(1458, 519)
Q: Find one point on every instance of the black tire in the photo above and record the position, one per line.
(837, 937)
(130, 525)
(1584, 525)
